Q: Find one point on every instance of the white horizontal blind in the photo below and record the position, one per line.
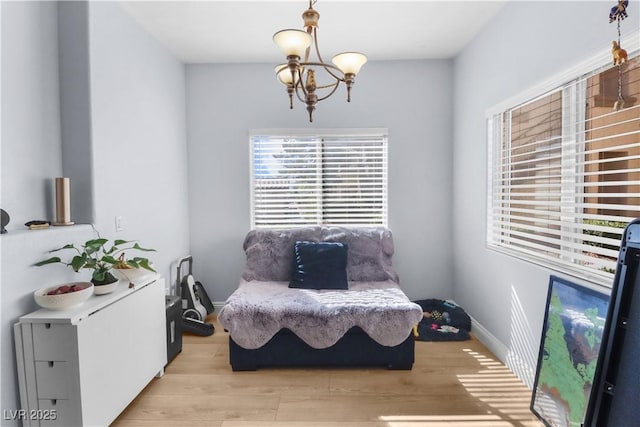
(300, 180)
(564, 174)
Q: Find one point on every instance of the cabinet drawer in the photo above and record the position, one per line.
(55, 413)
(53, 380)
(53, 341)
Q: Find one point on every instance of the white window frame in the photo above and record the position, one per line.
(380, 134)
(571, 83)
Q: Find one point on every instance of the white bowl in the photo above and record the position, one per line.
(131, 274)
(66, 300)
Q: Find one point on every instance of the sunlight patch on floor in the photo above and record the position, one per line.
(500, 390)
(452, 421)
(503, 400)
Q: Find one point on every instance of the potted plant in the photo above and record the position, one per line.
(101, 256)
(132, 269)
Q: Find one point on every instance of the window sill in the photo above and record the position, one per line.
(599, 281)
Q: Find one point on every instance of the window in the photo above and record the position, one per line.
(326, 178)
(564, 173)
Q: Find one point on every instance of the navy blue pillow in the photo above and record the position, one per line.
(319, 265)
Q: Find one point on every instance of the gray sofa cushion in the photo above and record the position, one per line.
(270, 252)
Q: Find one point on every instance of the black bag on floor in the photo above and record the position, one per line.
(443, 321)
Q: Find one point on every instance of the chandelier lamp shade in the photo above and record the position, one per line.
(299, 73)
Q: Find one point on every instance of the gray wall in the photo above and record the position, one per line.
(31, 147)
(137, 153)
(31, 157)
(412, 99)
(75, 107)
(139, 135)
(505, 295)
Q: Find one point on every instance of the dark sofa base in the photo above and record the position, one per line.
(355, 348)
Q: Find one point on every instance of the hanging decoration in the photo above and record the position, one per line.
(618, 13)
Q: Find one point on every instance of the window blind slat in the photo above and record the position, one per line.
(564, 173)
(334, 179)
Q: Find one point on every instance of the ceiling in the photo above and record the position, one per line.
(217, 31)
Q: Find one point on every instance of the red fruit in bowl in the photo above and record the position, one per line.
(65, 289)
(63, 296)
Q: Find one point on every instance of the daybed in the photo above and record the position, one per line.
(319, 296)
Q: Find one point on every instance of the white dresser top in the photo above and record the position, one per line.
(77, 314)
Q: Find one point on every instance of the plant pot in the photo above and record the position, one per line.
(133, 275)
(106, 286)
(105, 289)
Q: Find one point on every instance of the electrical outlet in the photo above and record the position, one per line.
(119, 223)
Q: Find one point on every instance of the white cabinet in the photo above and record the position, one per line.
(83, 366)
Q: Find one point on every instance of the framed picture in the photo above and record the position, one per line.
(574, 321)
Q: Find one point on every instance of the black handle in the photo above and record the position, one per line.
(181, 261)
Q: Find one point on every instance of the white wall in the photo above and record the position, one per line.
(139, 135)
(31, 158)
(412, 99)
(527, 43)
(434, 111)
(136, 129)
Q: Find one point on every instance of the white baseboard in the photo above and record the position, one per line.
(489, 340)
(217, 305)
(511, 360)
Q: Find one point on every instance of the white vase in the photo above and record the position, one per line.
(105, 289)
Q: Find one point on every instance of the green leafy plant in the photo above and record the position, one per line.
(612, 235)
(606, 234)
(101, 256)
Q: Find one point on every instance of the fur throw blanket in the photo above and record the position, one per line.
(270, 252)
(257, 310)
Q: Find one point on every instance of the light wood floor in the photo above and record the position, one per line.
(459, 384)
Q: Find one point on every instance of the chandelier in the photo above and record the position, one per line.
(299, 73)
